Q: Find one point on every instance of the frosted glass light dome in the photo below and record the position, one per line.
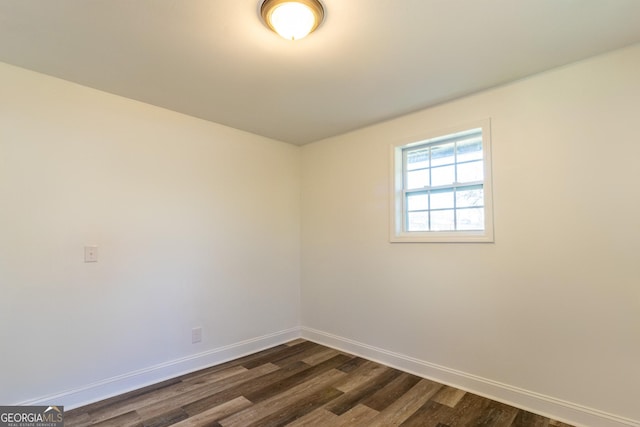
(292, 19)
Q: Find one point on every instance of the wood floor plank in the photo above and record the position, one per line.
(292, 381)
(258, 383)
(431, 414)
(215, 376)
(168, 392)
(528, 419)
(359, 415)
(117, 405)
(166, 418)
(353, 364)
(208, 417)
(309, 352)
(298, 384)
(76, 418)
(396, 413)
(467, 411)
(318, 417)
(275, 403)
(349, 400)
(129, 419)
(323, 355)
(360, 375)
(298, 408)
(391, 392)
(286, 352)
(497, 414)
(295, 342)
(173, 402)
(262, 355)
(449, 396)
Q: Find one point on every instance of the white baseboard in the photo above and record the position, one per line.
(551, 407)
(130, 381)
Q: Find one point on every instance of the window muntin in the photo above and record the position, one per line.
(442, 188)
(444, 184)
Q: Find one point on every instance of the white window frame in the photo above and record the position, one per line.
(398, 233)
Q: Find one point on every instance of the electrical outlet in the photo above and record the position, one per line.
(90, 254)
(196, 335)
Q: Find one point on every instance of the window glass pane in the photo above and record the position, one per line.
(470, 149)
(417, 179)
(442, 220)
(417, 202)
(473, 196)
(442, 199)
(444, 175)
(470, 219)
(418, 221)
(471, 172)
(418, 159)
(442, 154)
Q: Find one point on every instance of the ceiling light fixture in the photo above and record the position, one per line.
(292, 19)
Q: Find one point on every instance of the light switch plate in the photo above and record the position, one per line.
(196, 335)
(90, 254)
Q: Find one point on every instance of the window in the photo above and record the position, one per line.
(441, 187)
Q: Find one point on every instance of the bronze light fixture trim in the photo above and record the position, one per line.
(292, 19)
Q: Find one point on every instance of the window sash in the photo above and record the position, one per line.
(472, 134)
(455, 207)
(453, 188)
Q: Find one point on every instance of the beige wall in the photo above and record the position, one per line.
(197, 225)
(553, 307)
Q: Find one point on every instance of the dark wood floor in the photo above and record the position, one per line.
(301, 384)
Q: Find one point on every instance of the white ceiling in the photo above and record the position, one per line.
(371, 60)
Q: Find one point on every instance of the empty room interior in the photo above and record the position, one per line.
(181, 188)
